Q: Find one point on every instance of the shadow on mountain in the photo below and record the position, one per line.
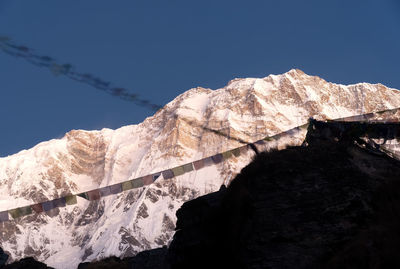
(332, 204)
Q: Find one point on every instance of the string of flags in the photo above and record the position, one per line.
(96, 194)
(114, 189)
(68, 70)
(378, 116)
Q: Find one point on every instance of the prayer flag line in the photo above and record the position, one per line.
(98, 193)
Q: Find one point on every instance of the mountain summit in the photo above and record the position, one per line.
(122, 225)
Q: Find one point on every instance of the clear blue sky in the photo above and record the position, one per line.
(159, 49)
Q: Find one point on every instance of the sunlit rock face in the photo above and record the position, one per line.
(144, 218)
(87, 152)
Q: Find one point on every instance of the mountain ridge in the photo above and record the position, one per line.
(248, 108)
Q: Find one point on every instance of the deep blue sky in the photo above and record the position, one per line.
(159, 49)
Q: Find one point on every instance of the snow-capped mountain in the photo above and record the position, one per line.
(144, 218)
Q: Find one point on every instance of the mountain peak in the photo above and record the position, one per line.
(295, 72)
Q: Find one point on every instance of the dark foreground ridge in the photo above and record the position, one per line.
(26, 263)
(333, 203)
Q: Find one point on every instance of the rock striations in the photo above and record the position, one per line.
(141, 219)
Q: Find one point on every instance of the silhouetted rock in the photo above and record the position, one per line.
(27, 263)
(332, 204)
(3, 258)
(112, 262)
(149, 259)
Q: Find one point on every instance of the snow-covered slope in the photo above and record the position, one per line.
(144, 218)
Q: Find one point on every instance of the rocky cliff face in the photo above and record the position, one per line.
(136, 220)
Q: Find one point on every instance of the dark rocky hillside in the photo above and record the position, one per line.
(27, 263)
(331, 204)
